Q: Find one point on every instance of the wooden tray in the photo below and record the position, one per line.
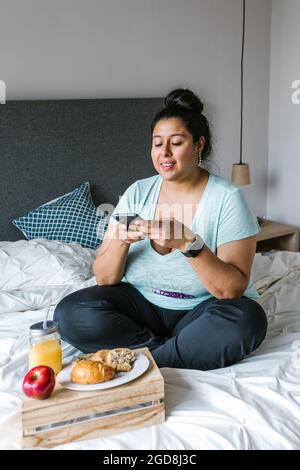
(69, 415)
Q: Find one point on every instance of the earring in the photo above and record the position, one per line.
(199, 158)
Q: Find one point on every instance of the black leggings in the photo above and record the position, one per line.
(216, 333)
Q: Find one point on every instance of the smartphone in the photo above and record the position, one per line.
(126, 218)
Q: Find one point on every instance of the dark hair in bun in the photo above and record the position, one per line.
(185, 105)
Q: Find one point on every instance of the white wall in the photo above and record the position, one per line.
(145, 48)
(284, 136)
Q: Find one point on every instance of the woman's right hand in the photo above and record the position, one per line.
(129, 236)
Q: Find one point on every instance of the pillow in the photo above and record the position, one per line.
(72, 218)
(42, 262)
(271, 266)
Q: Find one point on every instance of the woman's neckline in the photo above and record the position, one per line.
(199, 209)
(200, 203)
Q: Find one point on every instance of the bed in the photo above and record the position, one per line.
(252, 405)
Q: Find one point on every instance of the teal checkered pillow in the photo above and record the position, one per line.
(69, 218)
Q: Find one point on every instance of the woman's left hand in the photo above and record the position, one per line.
(169, 233)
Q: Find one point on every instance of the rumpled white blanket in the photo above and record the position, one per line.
(42, 262)
(252, 405)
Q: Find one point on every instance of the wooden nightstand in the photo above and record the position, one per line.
(276, 236)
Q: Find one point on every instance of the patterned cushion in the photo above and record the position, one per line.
(69, 218)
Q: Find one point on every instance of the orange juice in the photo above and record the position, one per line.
(47, 353)
(45, 347)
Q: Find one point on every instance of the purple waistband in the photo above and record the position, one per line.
(176, 295)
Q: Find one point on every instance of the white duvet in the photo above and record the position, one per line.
(252, 405)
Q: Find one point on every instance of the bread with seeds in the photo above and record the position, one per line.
(119, 359)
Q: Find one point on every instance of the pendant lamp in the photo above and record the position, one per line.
(240, 171)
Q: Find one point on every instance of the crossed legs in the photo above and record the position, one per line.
(216, 333)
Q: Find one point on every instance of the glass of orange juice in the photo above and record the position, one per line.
(45, 346)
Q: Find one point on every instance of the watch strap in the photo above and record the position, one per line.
(194, 248)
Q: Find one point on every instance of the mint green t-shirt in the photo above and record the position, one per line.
(168, 280)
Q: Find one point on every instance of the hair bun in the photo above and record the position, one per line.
(184, 98)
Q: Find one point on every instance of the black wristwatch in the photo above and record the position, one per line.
(194, 248)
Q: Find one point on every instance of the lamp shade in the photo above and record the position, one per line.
(240, 174)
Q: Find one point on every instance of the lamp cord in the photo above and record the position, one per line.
(242, 83)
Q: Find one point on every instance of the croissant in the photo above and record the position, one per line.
(86, 371)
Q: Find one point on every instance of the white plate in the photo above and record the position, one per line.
(139, 366)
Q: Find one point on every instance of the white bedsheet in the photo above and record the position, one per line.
(252, 405)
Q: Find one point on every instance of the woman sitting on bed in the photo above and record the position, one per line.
(178, 280)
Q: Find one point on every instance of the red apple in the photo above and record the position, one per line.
(39, 382)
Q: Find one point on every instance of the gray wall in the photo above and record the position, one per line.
(145, 48)
(284, 136)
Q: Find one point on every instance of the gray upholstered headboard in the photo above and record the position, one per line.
(47, 148)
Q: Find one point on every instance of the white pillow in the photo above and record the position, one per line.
(42, 262)
(269, 267)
